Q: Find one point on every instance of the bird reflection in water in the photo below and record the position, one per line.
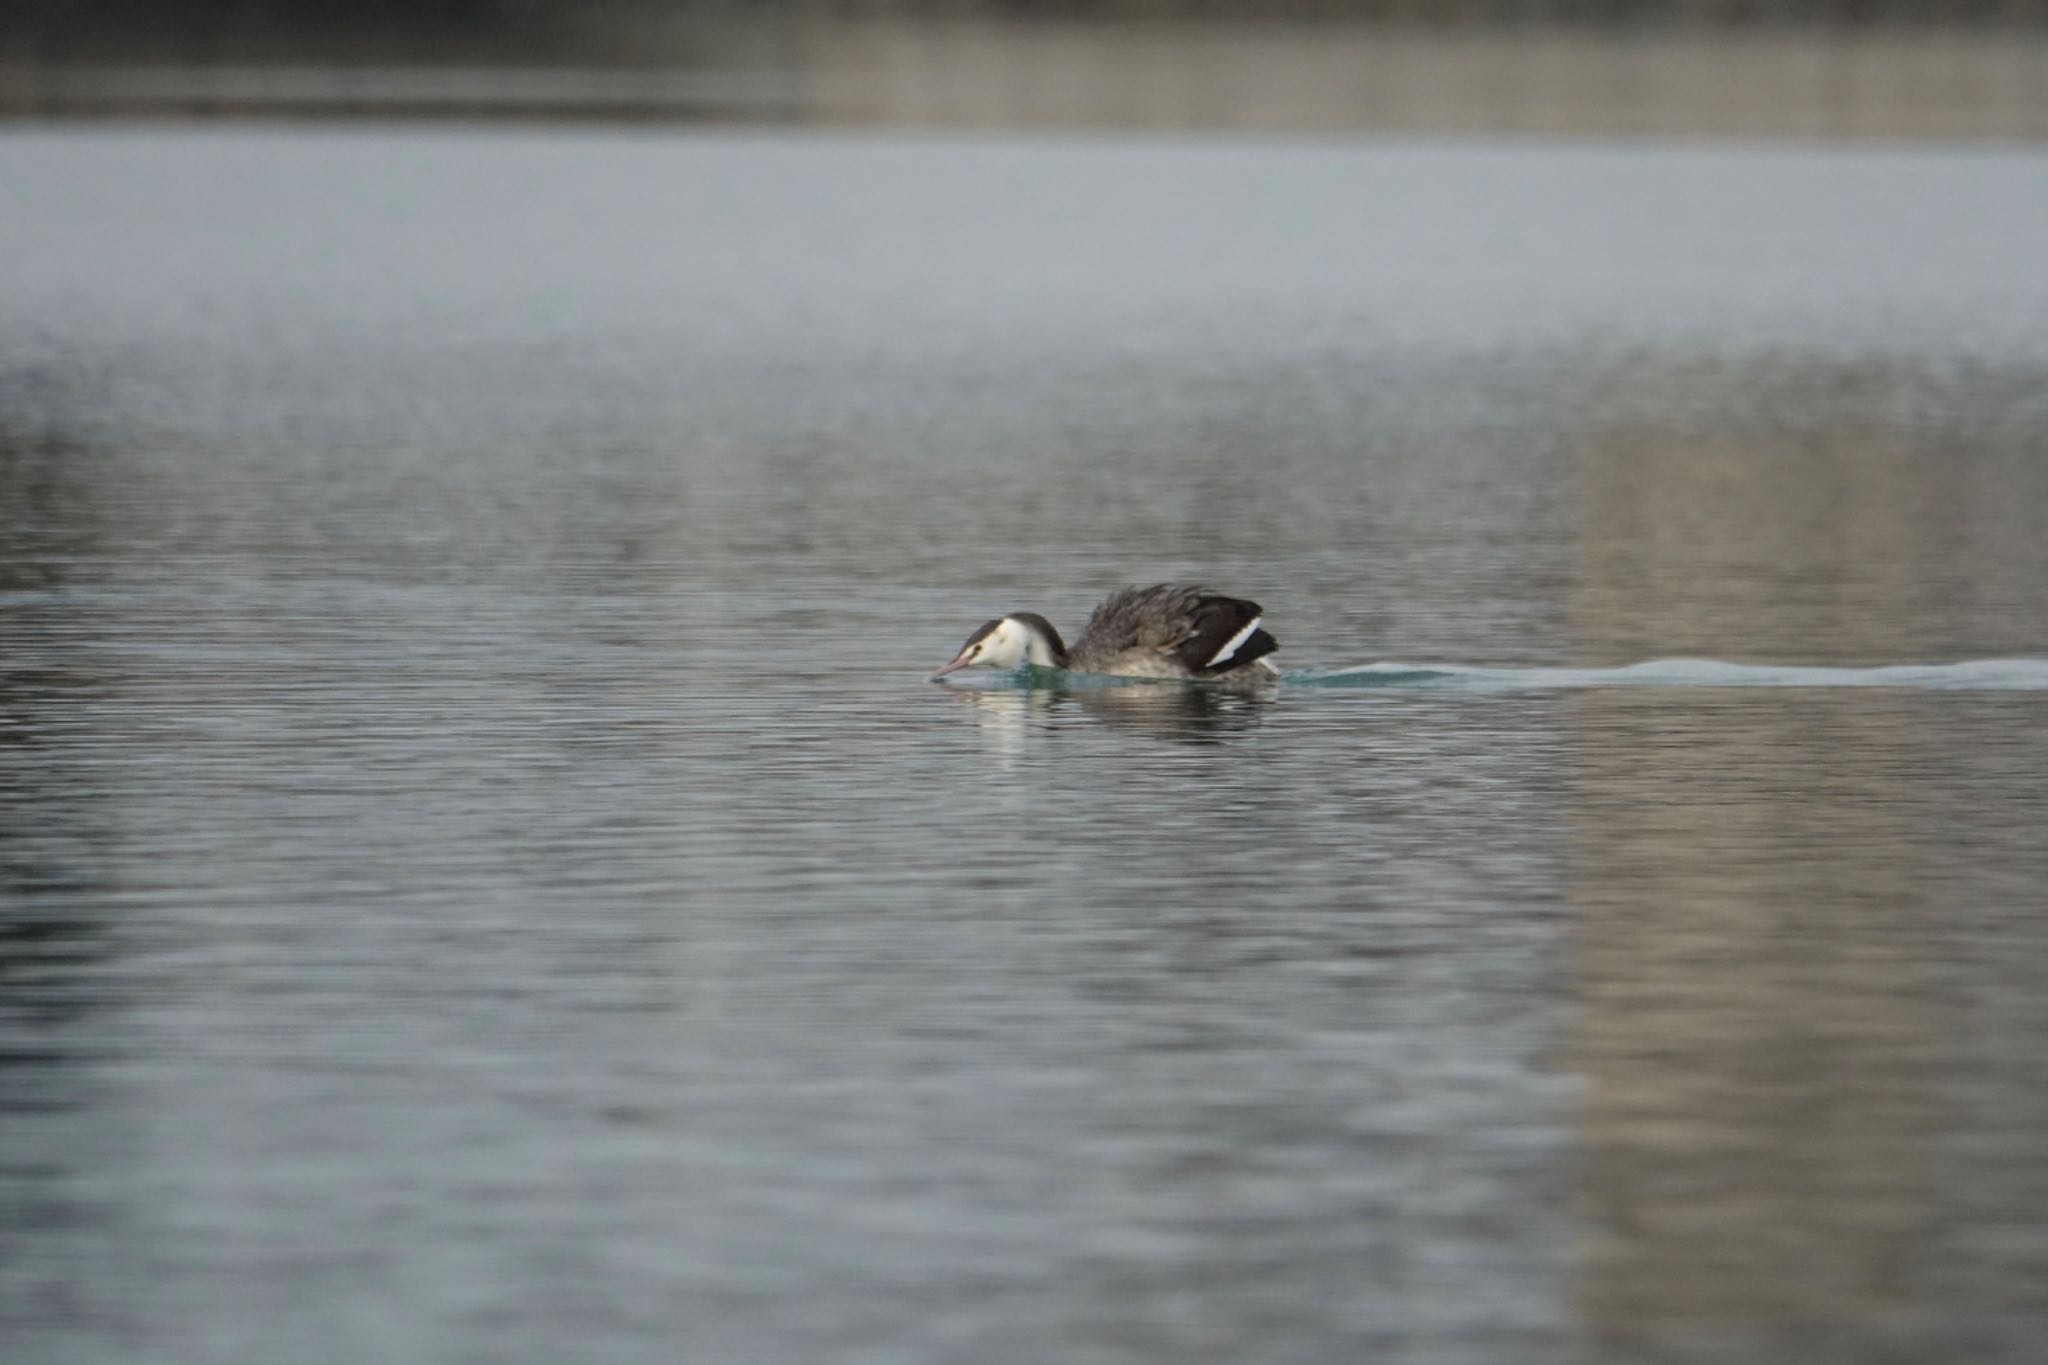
(1187, 713)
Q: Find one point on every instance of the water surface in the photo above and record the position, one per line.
(482, 875)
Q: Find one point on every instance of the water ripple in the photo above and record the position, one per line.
(1974, 675)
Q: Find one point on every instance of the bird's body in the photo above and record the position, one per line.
(1169, 632)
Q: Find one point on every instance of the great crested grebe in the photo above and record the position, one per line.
(1168, 631)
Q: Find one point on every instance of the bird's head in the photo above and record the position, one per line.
(1010, 642)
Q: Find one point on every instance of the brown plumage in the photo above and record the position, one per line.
(1168, 631)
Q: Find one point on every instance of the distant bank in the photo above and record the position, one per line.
(982, 73)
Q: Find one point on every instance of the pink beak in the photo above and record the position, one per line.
(958, 663)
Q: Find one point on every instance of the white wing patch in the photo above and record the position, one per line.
(1230, 645)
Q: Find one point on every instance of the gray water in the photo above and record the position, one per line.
(483, 876)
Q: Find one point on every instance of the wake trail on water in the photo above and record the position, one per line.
(1975, 675)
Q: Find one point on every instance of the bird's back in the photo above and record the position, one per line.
(1172, 630)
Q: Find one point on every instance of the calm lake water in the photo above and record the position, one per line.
(483, 876)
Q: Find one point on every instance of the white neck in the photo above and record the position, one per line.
(1038, 651)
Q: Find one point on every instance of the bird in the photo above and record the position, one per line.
(1169, 632)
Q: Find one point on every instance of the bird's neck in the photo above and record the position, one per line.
(1043, 647)
(1042, 653)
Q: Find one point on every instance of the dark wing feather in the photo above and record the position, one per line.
(1257, 646)
(1213, 621)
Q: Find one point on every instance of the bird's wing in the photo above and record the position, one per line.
(1200, 631)
(1221, 633)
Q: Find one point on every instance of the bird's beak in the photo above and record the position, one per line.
(959, 662)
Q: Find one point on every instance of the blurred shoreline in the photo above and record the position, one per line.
(1208, 74)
